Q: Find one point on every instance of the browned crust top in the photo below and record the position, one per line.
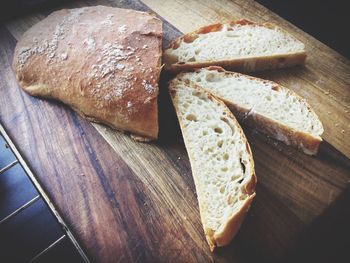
(104, 62)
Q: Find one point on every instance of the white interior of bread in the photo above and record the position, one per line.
(218, 154)
(258, 96)
(236, 41)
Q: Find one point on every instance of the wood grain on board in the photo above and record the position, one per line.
(129, 201)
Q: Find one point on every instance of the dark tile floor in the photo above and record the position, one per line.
(29, 231)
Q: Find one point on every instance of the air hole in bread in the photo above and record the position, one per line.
(218, 130)
(226, 156)
(210, 150)
(220, 143)
(224, 169)
(191, 117)
(225, 120)
(205, 133)
(242, 166)
(191, 59)
(222, 189)
(230, 200)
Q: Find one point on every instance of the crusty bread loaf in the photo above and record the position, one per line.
(221, 161)
(264, 105)
(104, 62)
(240, 45)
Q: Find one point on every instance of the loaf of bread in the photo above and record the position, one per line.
(264, 105)
(221, 161)
(103, 62)
(241, 46)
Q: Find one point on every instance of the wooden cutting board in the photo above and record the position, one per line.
(128, 201)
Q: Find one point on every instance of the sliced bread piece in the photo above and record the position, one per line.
(240, 45)
(221, 161)
(264, 105)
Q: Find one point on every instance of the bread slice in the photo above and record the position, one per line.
(221, 161)
(264, 105)
(240, 45)
(103, 62)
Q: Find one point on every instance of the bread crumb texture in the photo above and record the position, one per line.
(259, 96)
(235, 41)
(218, 152)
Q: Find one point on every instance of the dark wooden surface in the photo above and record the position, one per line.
(128, 201)
(324, 20)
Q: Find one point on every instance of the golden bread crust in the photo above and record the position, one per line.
(103, 62)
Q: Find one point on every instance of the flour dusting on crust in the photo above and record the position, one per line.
(49, 46)
(98, 60)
